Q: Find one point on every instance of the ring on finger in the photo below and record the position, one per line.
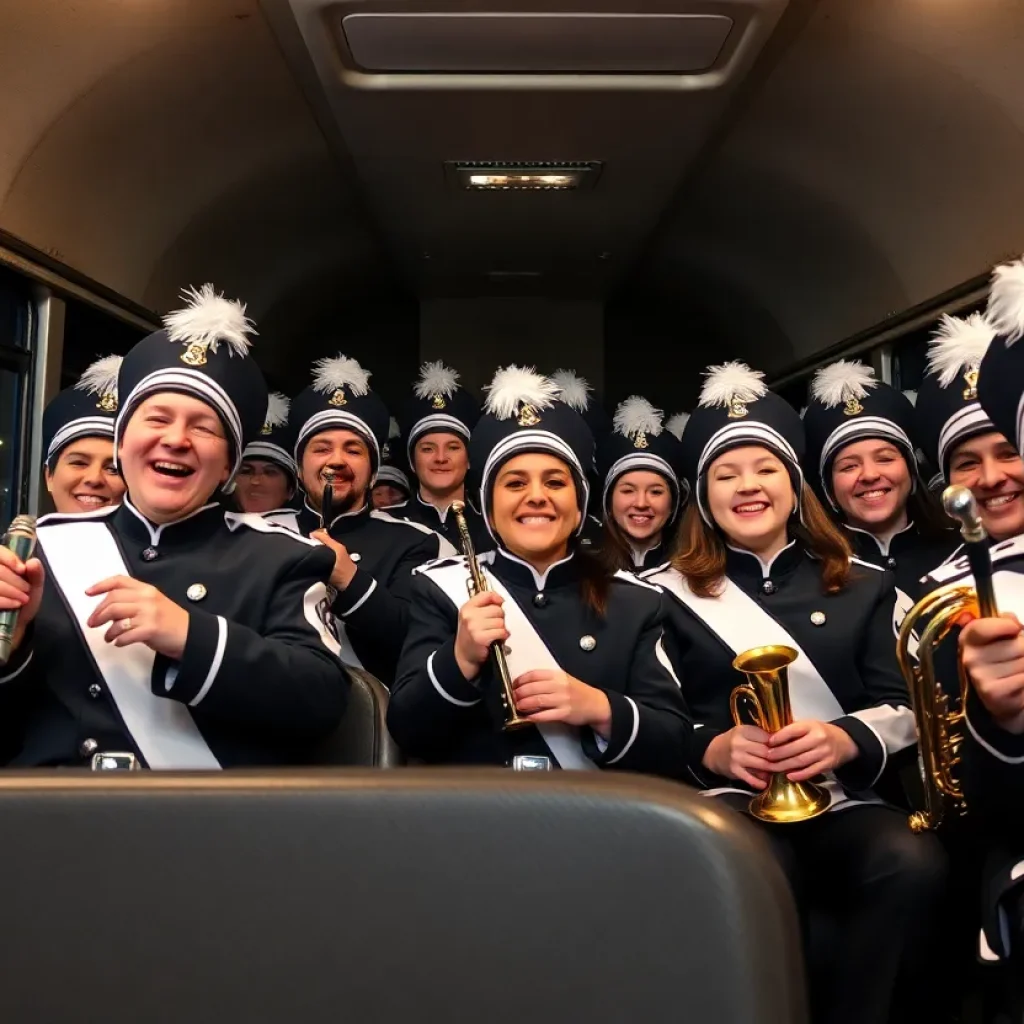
(126, 624)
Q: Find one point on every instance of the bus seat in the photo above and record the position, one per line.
(315, 897)
(362, 739)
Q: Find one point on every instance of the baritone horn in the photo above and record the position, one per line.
(766, 691)
(477, 584)
(940, 720)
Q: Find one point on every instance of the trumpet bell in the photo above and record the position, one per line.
(766, 692)
(785, 802)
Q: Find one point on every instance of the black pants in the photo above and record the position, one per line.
(870, 894)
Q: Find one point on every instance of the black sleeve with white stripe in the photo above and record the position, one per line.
(651, 727)
(376, 611)
(993, 772)
(884, 725)
(284, 676)
(432, 704)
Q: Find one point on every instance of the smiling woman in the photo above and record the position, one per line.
(583, 647)
(761, 564)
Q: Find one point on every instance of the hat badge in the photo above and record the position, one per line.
(438, 401)
(385, 452)
(737, 408)
(641, 440)
(266, 428)
(338, 398)
(852, 407)
(528, 415)
(971, 380)
(195, 354)
(107, 402)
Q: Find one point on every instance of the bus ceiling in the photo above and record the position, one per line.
(770, 176)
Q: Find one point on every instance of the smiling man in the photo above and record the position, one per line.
(339, 429)
(167, 633)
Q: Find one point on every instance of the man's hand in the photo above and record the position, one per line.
(344, 567)
(993, 656)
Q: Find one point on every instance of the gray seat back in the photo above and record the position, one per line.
(387, 897)
(362, 739)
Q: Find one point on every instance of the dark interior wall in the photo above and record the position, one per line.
(477, 335)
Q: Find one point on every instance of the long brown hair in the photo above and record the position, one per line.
(700, 550)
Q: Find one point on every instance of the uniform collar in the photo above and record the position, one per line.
(647, 557)
(203, 522)
(741, 564)
(515, 570)
(882, 541)
(343, 523)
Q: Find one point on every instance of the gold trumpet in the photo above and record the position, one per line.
(477, 584)
(940, 721)
(766, 691)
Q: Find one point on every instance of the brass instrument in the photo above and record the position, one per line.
(767, 692)
(327, 499)
(477, 584)
(940, 722)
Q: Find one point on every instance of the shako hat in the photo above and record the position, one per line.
(202, 351)
(87, 409)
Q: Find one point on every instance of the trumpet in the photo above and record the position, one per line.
(767, 692)
(477, 584)
(940, 721)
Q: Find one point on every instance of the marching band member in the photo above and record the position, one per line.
(166, 632)
(391, 489)
(437, 424)
(640, 463)
(861, 453)
(760, 563)
(583, 647)
(78, 438)
(267, 477)
(339, 428)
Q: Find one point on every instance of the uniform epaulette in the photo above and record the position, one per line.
(53, 518)
(628, 577)
(440, 563)
(951, 570)
(256, 522)
(384, 517)
(867, 565)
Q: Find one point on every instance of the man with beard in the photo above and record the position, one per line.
(339, 429)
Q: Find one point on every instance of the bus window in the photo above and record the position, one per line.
(14, 372)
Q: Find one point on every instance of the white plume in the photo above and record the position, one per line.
(731, 381)
(958, 345)
(575, 391)
(637, 416)
(436, 379)
(803, 411)
(911, 396)
(838, 383)
(209, 319)
(677, 424)
(340, 372)
(514, 386)
(100, 378)
(394, 430)
(278, 406)
(1006, 300)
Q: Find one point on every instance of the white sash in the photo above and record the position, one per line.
(741, 623)
(77, 556)
(526, 651)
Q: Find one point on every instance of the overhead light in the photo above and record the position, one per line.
(482, 176)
